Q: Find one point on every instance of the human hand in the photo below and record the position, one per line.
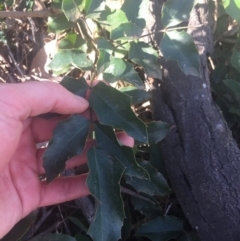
(21, 191)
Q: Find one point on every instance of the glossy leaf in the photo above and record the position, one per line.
(94, 8)
(78, 223)
(103, 182)
(146, 208)
(73, 41)
(118, 69)
(175, 12)
(137, 95)
(127, 226)
(156, 177)
(157, 131)
(232, 8)
(53, 237)
(147, 57)
(73, 9)
(106, 140)
(235, 59)
(135, 11)
(68, 140)
(161, 228)
(103, 61)
(81, 237)
(59, 23)
(179, 46)
(105, 45)
(114, 108)
(189, 236)
(67, 58)
(126, 31)
(233, 85)
(21, 227)
(111, 20)
(77, 86)
(156, 159)
(156, 186)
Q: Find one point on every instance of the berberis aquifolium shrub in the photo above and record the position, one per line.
(107, 40)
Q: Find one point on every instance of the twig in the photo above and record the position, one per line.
(63, 220)
(40, 221)
(134, 194)
(14, 61)
(168, 208)
(32, 14)
(33, 28)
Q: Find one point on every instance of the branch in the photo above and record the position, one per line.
(32, 14)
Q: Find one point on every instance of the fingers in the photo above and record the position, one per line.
(123, 138)
(42, 129)
(63, 189)
(71, 163)
(35, 98)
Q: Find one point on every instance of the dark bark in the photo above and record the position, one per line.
(201, 156)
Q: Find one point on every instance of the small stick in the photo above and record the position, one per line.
(31, 14)
(134, 194)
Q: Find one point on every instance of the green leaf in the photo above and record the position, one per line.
(156, 159)
(119, 69)
(235, 59)
(137, 95)
(111, 20)
(81, 237)
(73, 9)
(68, 140)
(126, 31)
(26, 5)
(175, 12)
(114, 108)
(9, 3)
(94, 8)
(233, 85)
(56, 4)
(136, 11)
(77, 86)
(59, 23)
(127, 226)
(157, 131)
(189, 236)
(156, 186)
(232, 8)
(103, 61)
(67, 58)
(105, 45)
(53, 237)
(161, 228)
(106, 140)
(179, 46)
(73, 41)
(3, 38)
(144, 55)
(146, 208)
(103, 182)
(21, 227)
(78, 223)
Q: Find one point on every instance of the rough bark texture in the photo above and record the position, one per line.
(202, 159)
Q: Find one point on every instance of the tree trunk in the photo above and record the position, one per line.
(201, 156)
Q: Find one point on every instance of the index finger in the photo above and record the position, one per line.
(34, 98)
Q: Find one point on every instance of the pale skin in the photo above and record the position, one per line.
(21, 191)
